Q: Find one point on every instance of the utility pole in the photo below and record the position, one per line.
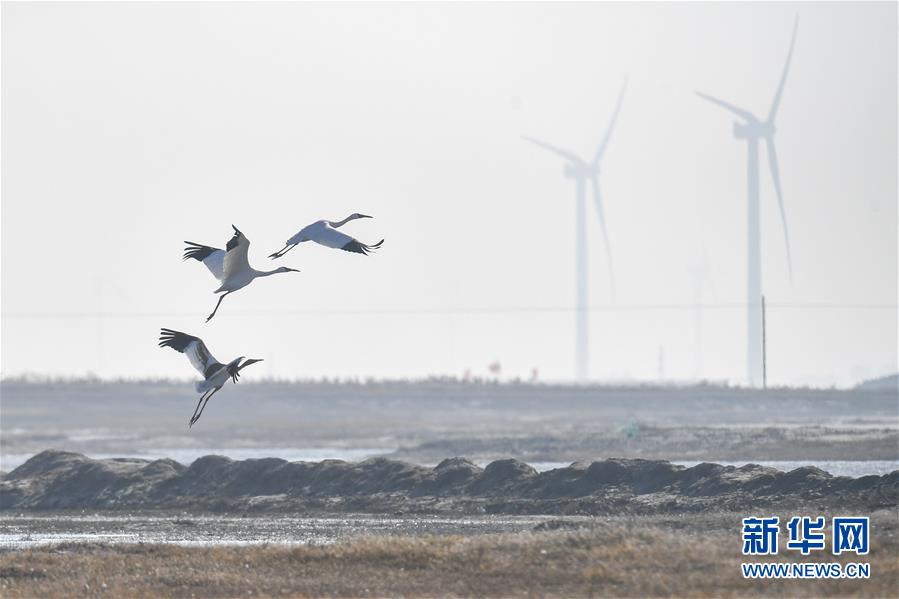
(764, 349)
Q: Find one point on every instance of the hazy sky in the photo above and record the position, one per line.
(128, 128)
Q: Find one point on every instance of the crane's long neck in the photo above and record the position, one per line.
(341, 222)
(265, 273)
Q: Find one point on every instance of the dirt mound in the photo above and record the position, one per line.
(64, 480)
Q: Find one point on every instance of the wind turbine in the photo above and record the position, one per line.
(585, 173)
(752, 129)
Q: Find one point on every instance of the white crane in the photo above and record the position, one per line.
(325, 232)
(230, 266)
(215, 374)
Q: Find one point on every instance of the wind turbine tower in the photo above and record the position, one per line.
(753, 129)
(586, 173)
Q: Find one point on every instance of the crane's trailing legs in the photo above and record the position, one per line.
(219, 303)
(282, 251)
(197, 409)
(202, 397)
(196, 415)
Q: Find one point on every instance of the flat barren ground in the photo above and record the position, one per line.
(684, 556)
(427, 421)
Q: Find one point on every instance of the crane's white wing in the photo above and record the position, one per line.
(307, 232)
(216, 264)
(213, 258)
(236, 255)
(332, 238)
(192, 347)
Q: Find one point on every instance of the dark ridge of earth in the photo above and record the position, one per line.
(55, 480)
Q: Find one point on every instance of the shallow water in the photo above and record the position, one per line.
(836, 468)
(24, 531)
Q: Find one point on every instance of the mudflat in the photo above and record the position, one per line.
(426, 421)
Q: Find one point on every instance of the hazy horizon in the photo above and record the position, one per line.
(128, 128)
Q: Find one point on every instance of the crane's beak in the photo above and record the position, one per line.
(365, 216)
(236, 230)
(292, 269)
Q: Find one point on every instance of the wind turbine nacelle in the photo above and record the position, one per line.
(576, 171)
(752, 130)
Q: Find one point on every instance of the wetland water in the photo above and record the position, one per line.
(21, 531)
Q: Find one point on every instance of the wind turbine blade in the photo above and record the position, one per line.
(775, 175)
(594, 183)
(558, 151)
(740, 112)
(605, 140)
(783, 78)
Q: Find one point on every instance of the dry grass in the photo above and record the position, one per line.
(627, 557)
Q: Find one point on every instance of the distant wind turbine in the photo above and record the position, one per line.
(215, 374)
(230, 266)
(584, 172)
(752, 129)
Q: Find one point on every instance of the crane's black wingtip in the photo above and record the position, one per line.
(175, 339)
(358, 247)
(197, 251)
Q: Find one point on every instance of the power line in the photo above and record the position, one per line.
(451, 311)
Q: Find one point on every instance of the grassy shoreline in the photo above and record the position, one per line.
(696, 555)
